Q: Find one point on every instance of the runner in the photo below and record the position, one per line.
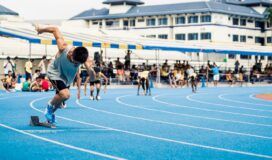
(62, 70)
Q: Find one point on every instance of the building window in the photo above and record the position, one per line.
(163, 36)
(242, 22)
(259, 40)
(231, 56)
(235, 21)
(193, 19)
(269, 40)
(180, 20)
(95, 22)
(181, 37)
(245, 56)
(151, 22)
(163, 21)
(262, 57)
(132, 22)
(205, 36)
(242, 38)
(250, 37)
(151, 36)
(141, 20)
(112, 23)
(259, 24)
(193, 36)
(235, 38)
(206, 18)
(268, 25)
(269, 58)
(250, 21)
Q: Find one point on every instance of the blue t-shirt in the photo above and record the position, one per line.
(215, 70)
(61, 68)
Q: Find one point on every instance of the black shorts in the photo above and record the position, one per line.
(192, 78)
(92, 83)
(6, 85)
(59, 85)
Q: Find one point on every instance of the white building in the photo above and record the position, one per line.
(233, 22)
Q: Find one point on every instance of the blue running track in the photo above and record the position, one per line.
(214, 124)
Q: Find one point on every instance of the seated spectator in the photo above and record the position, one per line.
(165, 64)
(36, 85)
(179, 77)
(134, 73)
(172, 80)
(127, 75)
(164, 73)
(45, 84)
(229, 77)
(36, 74)
(26, 85)
(8, 82)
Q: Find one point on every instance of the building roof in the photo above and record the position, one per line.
(92, 13)
(133, 2)
(179, 8)
(6, 11)
(250, 2)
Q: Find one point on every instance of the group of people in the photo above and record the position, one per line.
(32, 82)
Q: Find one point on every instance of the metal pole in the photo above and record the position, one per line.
(29, 56)
(105, 58)
(158, 68)
(46, 50)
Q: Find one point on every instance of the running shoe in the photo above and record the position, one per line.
(98, 98)
(49, 113)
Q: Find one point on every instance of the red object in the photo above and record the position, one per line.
(45, 85)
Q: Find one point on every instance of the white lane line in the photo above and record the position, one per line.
(18, 96)
(64, 130)
(189, 115)
(159, 138)
(235, 107)
(174, 124)
(252, 96)
(61, 144)
(222, 97)
(56, 142)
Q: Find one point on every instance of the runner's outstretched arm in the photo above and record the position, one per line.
(57, 34)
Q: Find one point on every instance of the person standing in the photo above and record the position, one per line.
(192, 77)
(28, 69)
(237, 64)
(8, 66)
(127, 60)
(216, 75)
(42, 66)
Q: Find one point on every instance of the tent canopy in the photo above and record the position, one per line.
(90, 38)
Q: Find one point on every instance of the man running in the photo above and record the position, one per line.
(95, 82)
(62, 70)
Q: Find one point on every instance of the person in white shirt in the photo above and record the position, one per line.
(42, 66)
(192, 78)
(8, 66)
